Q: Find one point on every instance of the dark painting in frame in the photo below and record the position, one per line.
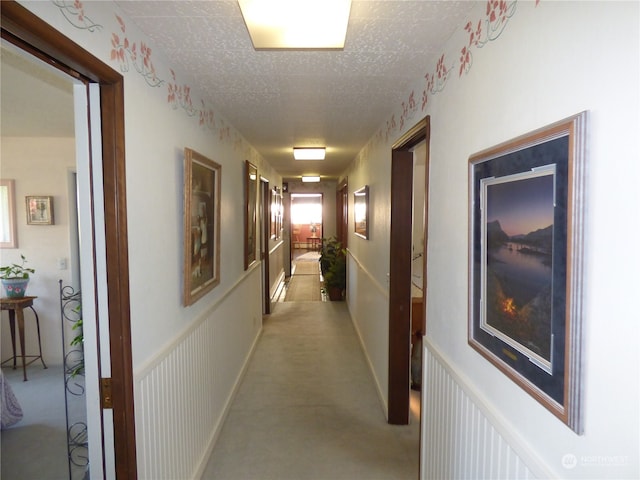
(250, 212)
(361, 212)
(526, 215)
(201, 271)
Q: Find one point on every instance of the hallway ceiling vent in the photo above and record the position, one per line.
(295, 24)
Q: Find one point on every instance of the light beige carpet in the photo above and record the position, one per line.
(308, 408)
(307, 268)
(304, 285)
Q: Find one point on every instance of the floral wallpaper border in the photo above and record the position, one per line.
(73, 12)
(128, 54)
(131, 55)
(480, 33)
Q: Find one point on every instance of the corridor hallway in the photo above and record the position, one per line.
(307, 407)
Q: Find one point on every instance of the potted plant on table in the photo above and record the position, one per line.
(333, 265)
(15, 278)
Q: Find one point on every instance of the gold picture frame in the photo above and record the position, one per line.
(201, 271)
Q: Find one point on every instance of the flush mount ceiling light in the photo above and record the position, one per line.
(310, 178)
(308, 153)
(296, 24)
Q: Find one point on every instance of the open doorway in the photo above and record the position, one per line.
(305, 220)
(342, 213)
(306, 224)
(400, 270)
(417, 272)
(40, 154)
(104, 198)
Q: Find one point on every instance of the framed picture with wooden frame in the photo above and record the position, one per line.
(276, 213)
(361, 212)
(201, 270)
(39, 209)
(8, 229)
(250, 213)
(526, 215)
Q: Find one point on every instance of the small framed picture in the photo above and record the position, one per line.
(39, 210)
(361, 212)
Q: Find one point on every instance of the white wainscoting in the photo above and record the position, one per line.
(183, 394)
(368, 304)
(461, 436)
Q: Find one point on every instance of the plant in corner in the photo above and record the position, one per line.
(15, 278)
(333, 265)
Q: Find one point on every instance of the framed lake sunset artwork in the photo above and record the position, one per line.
(525, 262)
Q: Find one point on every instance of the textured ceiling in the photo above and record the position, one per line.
(281, 99)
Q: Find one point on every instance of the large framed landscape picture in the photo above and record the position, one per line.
(525, 262)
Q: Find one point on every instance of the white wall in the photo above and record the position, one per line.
(40, 166)
(368, 260)
(552, 60)
(157, 130)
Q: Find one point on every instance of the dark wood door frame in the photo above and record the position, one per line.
(265, 233)
(29, 32)
(342, 213)
(400, 269)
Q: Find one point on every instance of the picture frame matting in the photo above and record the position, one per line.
(526, 229)
(39, 209)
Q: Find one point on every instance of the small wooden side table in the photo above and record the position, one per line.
(15, 307)
(314, 242)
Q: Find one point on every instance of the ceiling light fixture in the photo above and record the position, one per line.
(310, 178)
(308, 153)
(295, 24)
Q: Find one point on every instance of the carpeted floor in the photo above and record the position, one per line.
(308, 409)
(304, 285)
(36, 447)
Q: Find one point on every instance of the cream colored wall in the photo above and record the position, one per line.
(551, 60)
(368, 261)
(156, 133)
(40, 166)
(157, 129)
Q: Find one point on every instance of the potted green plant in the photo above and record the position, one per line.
(333, 265)
(15, 278)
